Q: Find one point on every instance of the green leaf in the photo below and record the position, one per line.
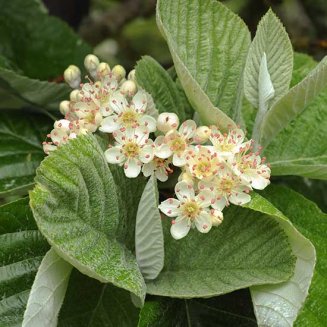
(294, 102)
(294, 152)
(310, 221)
(272, 40)
(76, 207)
(28, 91)
(209, 45)
(89, 303)
(248, 248)
(22, 249)
(230, 310)
(149, 243)
(156, 81)
(48, 291)
(41, 46)
(279, 304)
(21, 137)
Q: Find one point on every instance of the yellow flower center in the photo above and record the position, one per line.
(226, 185)
(177, 145)
(131, 149)
(128, 118)
(190, 209)
(226, 147)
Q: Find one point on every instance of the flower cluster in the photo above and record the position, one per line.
(217, 168)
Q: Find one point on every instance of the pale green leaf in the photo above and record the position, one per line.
(300, 148)
(149, 243)
(272, 40)
(310, 221)
(76, 208)
(48, 291)
(89, 303)
(279, 304)
(22, 248)
(209, 44)
(21, 137)
(156, 81)
(294, 102)
(248, 248)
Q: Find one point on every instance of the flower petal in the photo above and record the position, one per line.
(109, 124)
(184, 191)
(219, 203)
(148, 169)
(239, 198)
(216, 217)
(180, 228)
(139, 101)
(132, 168)
(205, 198)
(258, 182)
(114, 155)
(146, 153)
(161, 174)
(118, 102)
(203, 222)
(170, 207)
(148, 122)
(179, 160)
(188, 128)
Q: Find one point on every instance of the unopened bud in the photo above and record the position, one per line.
(91, 63)
(216, 217)
(72, 76)
(75, 95)
(64, 107)
(131, 75)
(103, 69)
(167, 121)
(202, 134)
(119, 71)
(128, 88)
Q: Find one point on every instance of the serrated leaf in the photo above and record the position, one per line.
(309, 219)
(230, 310)
(248, 248)
(22, 248)
(208, 44)
(48, 291)
(28, 91)
(279, 304)
(76, 208)
(21, 137)
(149, 243)
(294, 102)
(89, 303)
(271, 39)
(156, 81)
(293, 152)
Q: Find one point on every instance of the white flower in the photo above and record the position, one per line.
(128, 115)
(159, 167)
(202, 162)
(189, 209)
(226, 145)
(179, 142)
(252, 169)
(227, 188)
(133, 148)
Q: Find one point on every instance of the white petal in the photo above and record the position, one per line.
(179, 160)
(259, 182)
(141, 134)
(184, 191)
(146, 153)
(239, 198)
(203, 222)
(148, 169)
(238, 135)
(132, 168)
(149, 122)
(216, 217)
(139, 101)
(114, 155)
(205, 198)
(180, 228)
(170, 207)
(219, 203)
(118, 102)
(188, 128)
(109, 124)
(161, 174)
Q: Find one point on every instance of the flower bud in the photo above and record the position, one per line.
(64, 107)
(75, 95)
(128, 88)
(91, 63)
(131, 75)
(216, 217)
(72, 76)
(202, 134)
(119, 72)
(167, 121)
(103, 69)
(62, 123)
